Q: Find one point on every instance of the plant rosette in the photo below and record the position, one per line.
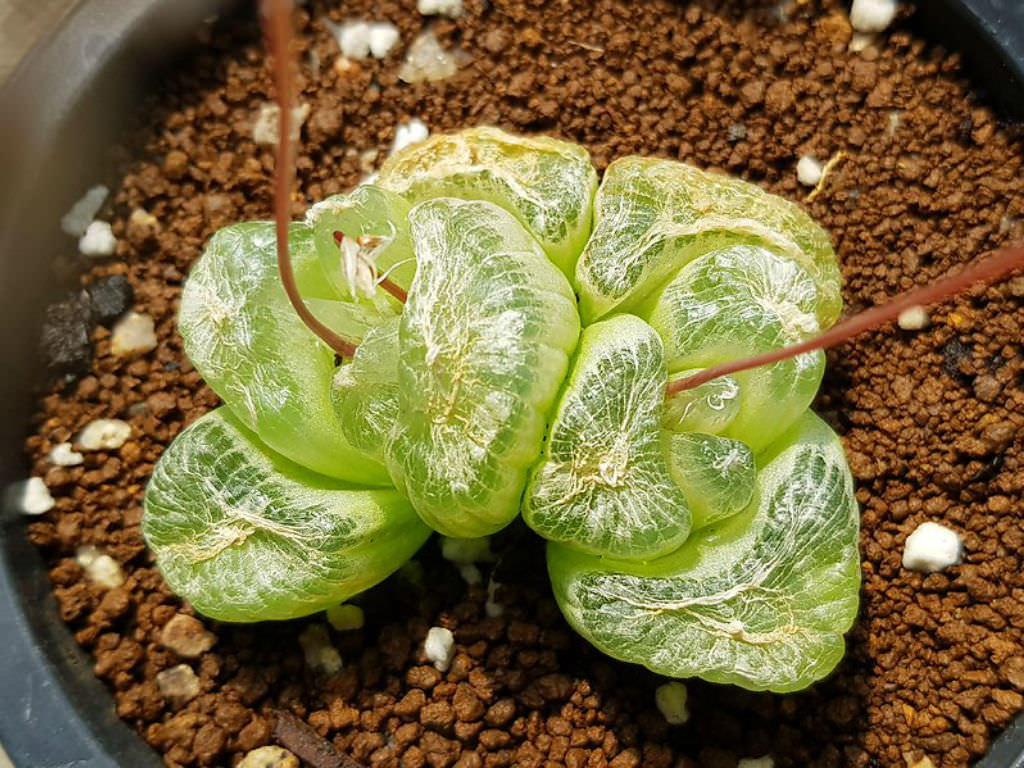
(521, 339)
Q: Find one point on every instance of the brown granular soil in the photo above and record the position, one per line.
(932, 420)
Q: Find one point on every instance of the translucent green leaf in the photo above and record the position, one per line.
(716, 474)
(738, 301)
(485, 341)
(246, 535)
(653, 216)
(243, 336)
(602, 484)
(545, 183)
(365, 392)
(710, 408)
(760, 600)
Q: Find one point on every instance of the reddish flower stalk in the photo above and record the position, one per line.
(278, 28)
(988, 271)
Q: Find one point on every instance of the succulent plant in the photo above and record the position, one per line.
(519, 341)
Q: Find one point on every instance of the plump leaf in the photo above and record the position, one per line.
(602, 484)
(365, 392)
(716, 474)
(545, 183)
(653, 216)
(246, 535)
(485, 341)
(710, 408)
(243, 336)
(760, 600)
(734, 302)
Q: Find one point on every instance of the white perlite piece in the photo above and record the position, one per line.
(757, 762)
(264, 128)
(671, 701)
(913, 319)
(34, 497)
(317, 648)
(492, 608)
(932, 548)
(77, 220)
(451, 8)
(808, 171)
(346, 617)
(179, 685)
(872, 15)
(359, 39)
(133, 335)
(471, 574)
(427, 60)
(63, 455)
(102, 570)
(98, 240)
(407, 134)
(439, 647)
(383, 36)
(104, 435)
(465, 551)
(269, 757)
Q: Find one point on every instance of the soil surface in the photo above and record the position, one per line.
(933, 420)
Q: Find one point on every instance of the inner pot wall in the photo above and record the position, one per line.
(61, 115)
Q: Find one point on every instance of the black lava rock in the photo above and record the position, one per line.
(111, 297)
(64, 341)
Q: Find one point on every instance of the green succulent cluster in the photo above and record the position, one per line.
(712, 533)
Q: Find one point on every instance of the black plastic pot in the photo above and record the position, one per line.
(59, 114)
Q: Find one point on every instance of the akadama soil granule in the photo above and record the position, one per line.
(932, 419)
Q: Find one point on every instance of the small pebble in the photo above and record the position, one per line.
(860, 41)
(317, 648)
(187, 636)
(913, 319)
(471, 574)
(383, 36)
(104, 435)
(76, 221)
(450, 8)
(346, 617)
(110, 297)
(65, 340)
(98, 240)
(63, 455)
(264, 128)
(427, 60)
(492, 608)
(465, 551)
(133, 335)
(757, 762)
(142, 227)
(269, 757)
(671, 701)
(439, 647)
(872, 15)
(808, 171)
(34, 497)
(924, 762)
(407, 134)
(179, 685)
(932, 548)
(100, 569)
(360, 39)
